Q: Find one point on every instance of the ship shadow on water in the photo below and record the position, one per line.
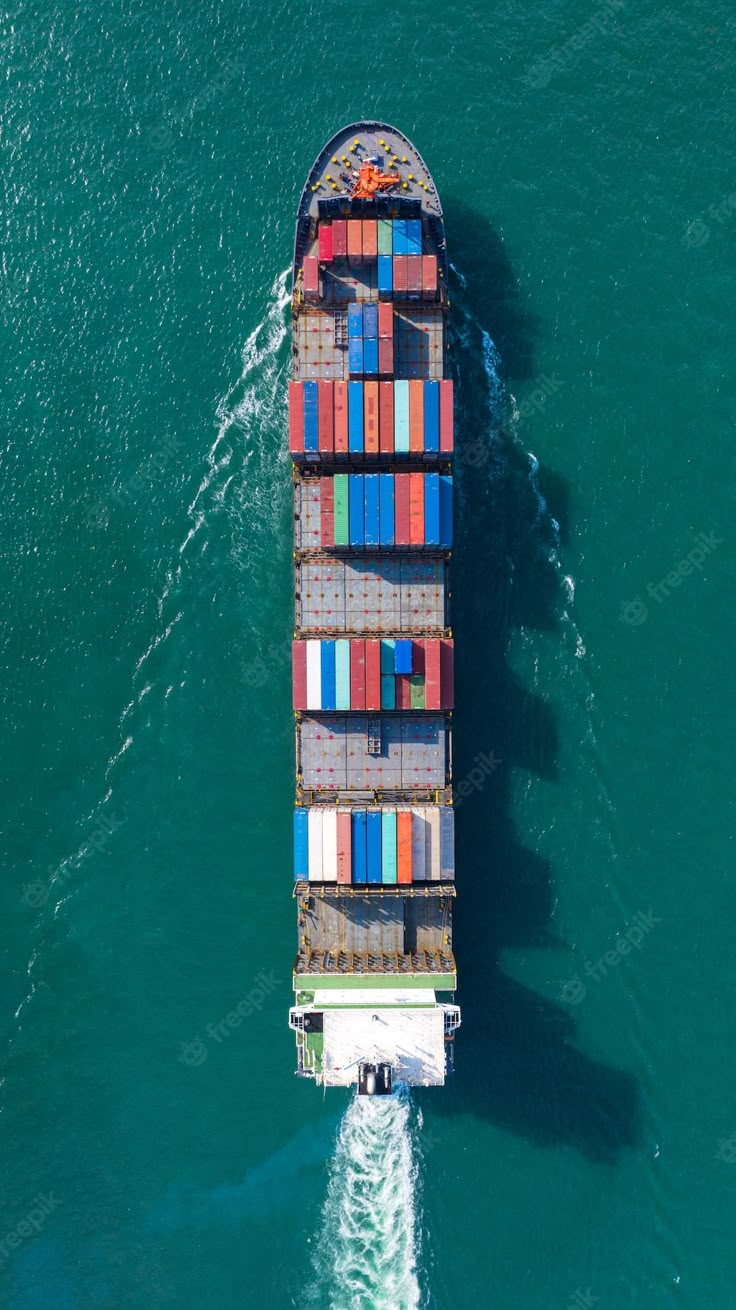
(518, 1064)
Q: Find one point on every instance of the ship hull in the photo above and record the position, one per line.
(371, 436)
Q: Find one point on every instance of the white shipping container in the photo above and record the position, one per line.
(315, 845)
(314, 675)
(329, 845)
(418, 845)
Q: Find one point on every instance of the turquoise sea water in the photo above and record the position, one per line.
(585, 1152)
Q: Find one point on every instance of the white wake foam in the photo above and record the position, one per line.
(367, 1248)
(247, 416)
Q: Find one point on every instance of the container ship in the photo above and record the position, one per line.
(371, 438)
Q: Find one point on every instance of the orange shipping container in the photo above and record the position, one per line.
(416, 416)
(370, 417)
(429, 276)
(385, 319)
(355, 241)
(416, 509)
(370, 239)
(403, 847)
(341, 418)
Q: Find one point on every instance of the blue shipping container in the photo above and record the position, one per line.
(388, 691)
(432, 416)
(355, 417)
(356, 510)
(355, 355)
(372, 535)
(402, 655)
(359, 846)
(370, 356)
(387, 509)
(327, 670)
(385, 275)
(355, 320)
(445, 510)
(311, 428)
(301, 845)
(387, 656)
(414, 236)
(400, 236)
(374, 845)
(431, 511)
(370, 320)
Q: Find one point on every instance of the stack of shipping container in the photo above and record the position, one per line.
(373, 688)
(393, 247)
(393, 417)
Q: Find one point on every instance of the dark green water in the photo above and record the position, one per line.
(585, 1152)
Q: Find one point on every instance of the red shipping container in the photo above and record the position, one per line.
(447, 674)
(325, 416)
(339, 238)
(357, 675)
(416, 509)
(355, 241)
(446, 417)
(432, 694)
(311, 277)
(386, 407)
(429, 276)
(416, 416)
(344, 847)
(325, 243)
(414, 273)
(296, 418)
(403, 846)
(403, 691)
(326, 513)
(370, 239)
(418, 657)
(400, 274)
(401, 507)
(385, 319)
(385, 355)
(341, 418)
(370, 418)
(299, 674)
(372, 675)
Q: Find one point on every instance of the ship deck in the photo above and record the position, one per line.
(386, 594)
(401, 753)
(320, 344)
(335, 167)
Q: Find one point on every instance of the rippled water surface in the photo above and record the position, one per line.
(153, 1154)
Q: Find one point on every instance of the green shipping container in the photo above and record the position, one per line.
(417, 691)
(385, 236)
(388, 846)
(388, 691)
(342, 675)
(342, 520)
(401, 416)
(388, 655)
